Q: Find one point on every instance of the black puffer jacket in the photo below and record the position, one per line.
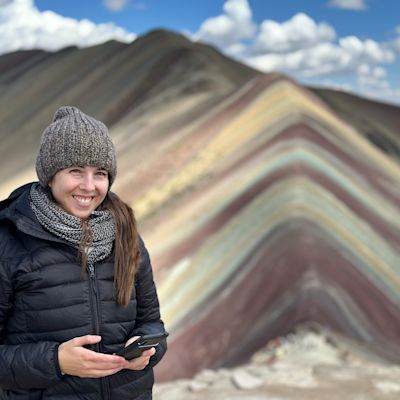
(44, 301)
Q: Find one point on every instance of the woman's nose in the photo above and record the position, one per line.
(88, 183)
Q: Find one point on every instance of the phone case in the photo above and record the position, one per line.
(141, 344)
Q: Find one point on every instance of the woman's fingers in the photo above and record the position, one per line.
(141, 362)
(74, 359)
(131, 340)
(84, 340)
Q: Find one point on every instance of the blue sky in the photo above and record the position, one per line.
(346, 44)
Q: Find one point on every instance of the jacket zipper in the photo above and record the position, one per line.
(95, 307)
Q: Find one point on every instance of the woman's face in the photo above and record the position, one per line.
(79, 190)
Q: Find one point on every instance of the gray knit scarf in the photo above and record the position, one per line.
(68, 227)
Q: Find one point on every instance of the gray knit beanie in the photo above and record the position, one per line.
(74, 139)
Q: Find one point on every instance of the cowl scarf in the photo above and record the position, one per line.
(70, 228)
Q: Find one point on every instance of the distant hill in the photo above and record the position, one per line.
(108, 81)
(265, 204)
(378, 122)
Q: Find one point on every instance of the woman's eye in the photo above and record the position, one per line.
(102, 174)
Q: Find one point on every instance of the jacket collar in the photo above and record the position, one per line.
(16, 209)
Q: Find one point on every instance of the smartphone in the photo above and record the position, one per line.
(136, 348)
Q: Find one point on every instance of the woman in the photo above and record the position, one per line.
(76, 281)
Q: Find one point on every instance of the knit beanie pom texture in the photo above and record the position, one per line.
(74, 139)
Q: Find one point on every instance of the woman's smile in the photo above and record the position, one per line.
(84, 200)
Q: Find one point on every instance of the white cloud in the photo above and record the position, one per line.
(119, 5)
(349, 4)
(324, 58)
(300, 45)
(372, 78)
(371, 82)
(298, 32)
(23, 26)
(395, 44)
(366, 70)
(367, 49)
(306, 49)
(227, 29)
(115, 5)
(363, 69)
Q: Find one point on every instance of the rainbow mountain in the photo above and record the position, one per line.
(265, 204)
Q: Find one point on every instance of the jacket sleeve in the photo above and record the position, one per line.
(148, 319)
(28, 365)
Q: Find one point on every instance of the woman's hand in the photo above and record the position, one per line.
(141, 362)
(74, 359)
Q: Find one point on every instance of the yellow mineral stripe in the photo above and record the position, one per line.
(274, 104)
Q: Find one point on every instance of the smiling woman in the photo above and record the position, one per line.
(70, 250)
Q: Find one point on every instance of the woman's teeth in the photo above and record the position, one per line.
(83, 200)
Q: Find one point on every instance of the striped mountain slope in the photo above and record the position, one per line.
(264, 204)
(285, 215)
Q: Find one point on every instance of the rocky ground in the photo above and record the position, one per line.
(308, 365)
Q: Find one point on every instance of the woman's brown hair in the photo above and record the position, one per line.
(126, 246)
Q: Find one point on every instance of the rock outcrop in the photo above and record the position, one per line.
(307, 365)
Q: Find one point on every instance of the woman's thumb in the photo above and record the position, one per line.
(84, 340)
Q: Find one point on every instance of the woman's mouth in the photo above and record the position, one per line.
(83, 200)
